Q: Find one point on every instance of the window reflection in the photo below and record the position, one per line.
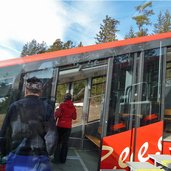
(46, 77)
(8, 76)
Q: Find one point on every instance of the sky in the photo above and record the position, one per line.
(75, 20)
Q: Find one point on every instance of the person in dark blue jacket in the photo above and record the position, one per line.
(29, 126)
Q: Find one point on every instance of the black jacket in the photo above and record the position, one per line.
(29, 127)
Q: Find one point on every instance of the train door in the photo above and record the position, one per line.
(134, 122)
(77, 89)
(82, 81)
(94, 118)
(86, 82)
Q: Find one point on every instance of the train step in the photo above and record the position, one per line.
(142, 166)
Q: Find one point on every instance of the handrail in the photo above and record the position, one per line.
(130, 88)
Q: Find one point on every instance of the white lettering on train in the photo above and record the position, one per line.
(123, 157)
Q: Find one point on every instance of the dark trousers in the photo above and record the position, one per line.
(62, 146)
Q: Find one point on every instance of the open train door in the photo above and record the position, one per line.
(85, 81)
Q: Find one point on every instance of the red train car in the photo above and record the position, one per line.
(122, 91)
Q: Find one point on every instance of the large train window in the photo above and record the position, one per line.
(5, 88)
(152, 76)
(9, 83)
(167, 111)
(122, 79)
(136, 91)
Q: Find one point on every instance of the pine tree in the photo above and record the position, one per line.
(167, 22)
(68, 45)
(131, 33)
(163, 23)
(33, 47)
(158, 27)
(107, 31)
(57, 45)
(80, 44)
(143, 18)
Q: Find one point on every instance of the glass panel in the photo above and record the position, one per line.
(38, 65)
(46, 77)
(5, 88)
(78, 96)
(167, 112)
(136, 91)
(168, 70)
(96, 98)
(9, 88)
(151, 88)
(61, 90)
(79, 88)
(120, 93)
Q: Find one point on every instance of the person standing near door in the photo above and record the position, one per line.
(29, 127)
(64, 116)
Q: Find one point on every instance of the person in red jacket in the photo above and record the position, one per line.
(64, 116)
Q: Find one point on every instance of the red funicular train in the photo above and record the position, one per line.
(122, 91)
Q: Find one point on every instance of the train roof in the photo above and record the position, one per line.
(84, 49)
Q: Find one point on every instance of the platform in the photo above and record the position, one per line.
(78, 160)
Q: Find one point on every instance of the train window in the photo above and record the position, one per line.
(167, 111)
(168, 68)
(96, 98)
(8, 88)
(61, 90)
(120, 93)
(5, 88)
(78, 98)
(46, 77)
(152, 77)
(135, 90)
